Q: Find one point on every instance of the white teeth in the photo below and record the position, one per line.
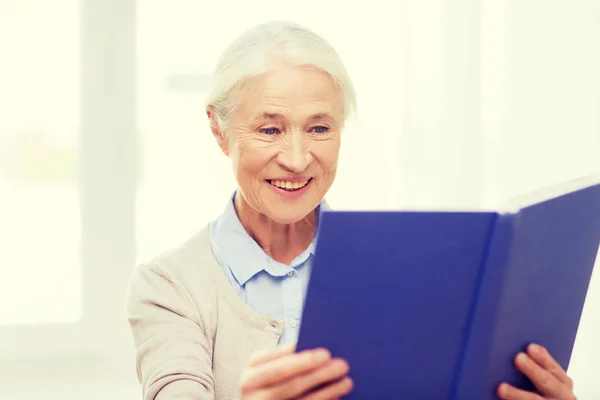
(289, 185)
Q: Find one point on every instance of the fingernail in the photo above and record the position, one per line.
(322, 355)
(536, 348)
(503, 390)
(522, 358)
(349, 383)
(341, 365)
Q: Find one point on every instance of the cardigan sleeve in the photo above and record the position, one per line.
(173, 351)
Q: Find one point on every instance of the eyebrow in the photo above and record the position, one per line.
(269, 116)
(322, 116)
(276, 116)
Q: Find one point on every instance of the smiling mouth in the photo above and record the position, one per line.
(289, 186)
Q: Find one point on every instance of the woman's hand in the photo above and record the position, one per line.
(546, 374)
(285, 374)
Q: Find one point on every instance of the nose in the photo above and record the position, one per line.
(295, 155)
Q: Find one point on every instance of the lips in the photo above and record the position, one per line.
(289, 185)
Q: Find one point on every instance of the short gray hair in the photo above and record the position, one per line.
(248, 57)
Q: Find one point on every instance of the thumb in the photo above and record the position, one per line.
(271, 354)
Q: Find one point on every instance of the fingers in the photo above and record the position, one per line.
(508, 392)
(283, 368)
(541, 356)
(545, 381)
(333, 371)
(334, 390)
(270, 354)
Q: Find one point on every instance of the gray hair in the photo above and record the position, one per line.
(249, 55)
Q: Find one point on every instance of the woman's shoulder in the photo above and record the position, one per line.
(190, 265)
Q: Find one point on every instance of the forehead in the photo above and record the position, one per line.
(292, 91)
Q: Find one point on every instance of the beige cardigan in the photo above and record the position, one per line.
(193, 334)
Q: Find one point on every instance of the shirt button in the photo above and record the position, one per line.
(291, 273)
(294, 323)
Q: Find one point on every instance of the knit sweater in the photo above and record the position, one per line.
(192, 332)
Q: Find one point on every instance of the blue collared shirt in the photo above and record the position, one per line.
(269, 287)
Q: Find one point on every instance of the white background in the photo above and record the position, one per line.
(106, 158)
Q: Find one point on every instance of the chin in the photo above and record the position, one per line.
(289, 216)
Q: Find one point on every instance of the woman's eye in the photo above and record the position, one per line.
(269, 131)
(320, 129)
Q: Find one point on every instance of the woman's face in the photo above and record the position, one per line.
(284, 140)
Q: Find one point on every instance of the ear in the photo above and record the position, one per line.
(216, 130)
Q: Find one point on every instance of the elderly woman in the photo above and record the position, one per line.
(217, 317)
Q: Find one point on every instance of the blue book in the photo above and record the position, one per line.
(436, 305)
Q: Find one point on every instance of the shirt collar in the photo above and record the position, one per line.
(242, 254)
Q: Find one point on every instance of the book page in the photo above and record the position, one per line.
(549, 192)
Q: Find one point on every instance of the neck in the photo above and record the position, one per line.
(281, 242)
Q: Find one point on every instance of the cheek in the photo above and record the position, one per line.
(251, 157)
(328, 155)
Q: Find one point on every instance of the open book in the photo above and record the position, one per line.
(435, 305)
